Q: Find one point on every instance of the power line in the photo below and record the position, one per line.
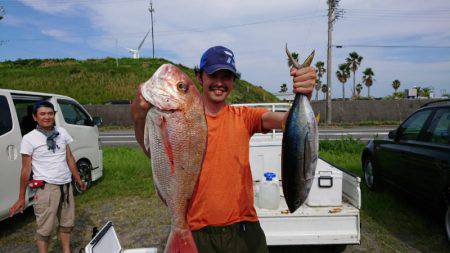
(39, 3)
(392, 46)
(165, 33)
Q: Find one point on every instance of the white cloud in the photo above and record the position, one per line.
(259, 47)
(60, 35)
(50, 6)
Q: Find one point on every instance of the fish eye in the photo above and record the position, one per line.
(182, 87)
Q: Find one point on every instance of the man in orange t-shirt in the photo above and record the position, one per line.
(222, 216)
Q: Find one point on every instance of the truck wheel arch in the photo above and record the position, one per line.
(84, 167)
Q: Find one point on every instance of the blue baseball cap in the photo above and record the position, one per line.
(217, 58)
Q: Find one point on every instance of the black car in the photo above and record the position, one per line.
(415, 158)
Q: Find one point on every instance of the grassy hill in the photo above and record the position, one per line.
(95, 81)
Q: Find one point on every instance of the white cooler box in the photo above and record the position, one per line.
(326, 189)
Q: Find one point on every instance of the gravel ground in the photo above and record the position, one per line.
(135, 229)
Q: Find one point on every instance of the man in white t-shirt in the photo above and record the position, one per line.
(45, 151)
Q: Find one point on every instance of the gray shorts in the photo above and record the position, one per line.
(53, 210)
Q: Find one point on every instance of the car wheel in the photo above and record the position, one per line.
(370, 175)
(339, 248)
(85, 171)
(447, 223)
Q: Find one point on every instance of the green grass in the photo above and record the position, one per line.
(95, 81)
(389, 219)
(125, 195)
(127, 173)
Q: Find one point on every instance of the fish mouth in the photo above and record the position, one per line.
(169, 111)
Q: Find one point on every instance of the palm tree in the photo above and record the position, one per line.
(295, 56)
(317, 87)
(419, 91)
(320, 69)
(359, 88)
(354, 60)
(342, 75)
(368, 79)
(283, 88)
(426, 92)
(324, 90)
(396, 85)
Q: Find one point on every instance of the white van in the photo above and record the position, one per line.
(16, 120)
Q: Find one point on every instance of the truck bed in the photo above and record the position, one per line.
(316, 225)
(311, 225)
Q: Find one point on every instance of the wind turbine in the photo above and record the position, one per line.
(135, 52)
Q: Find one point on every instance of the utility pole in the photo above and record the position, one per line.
(117, 54)
(333, 14)
(2, 12)
(151, 10)
(2, 15)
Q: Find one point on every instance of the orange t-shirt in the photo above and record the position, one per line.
(224, 192)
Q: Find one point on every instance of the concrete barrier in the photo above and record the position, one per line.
(112, 115)
(369, 110)
(342, 111)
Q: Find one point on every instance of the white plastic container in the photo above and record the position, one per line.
(269, 192)
(326, 189)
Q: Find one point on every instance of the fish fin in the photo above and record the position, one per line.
(160, 195)
(308, 60)
(146, 136)
(291, 59)
(180, 241)
(318, 117)
(166, 142)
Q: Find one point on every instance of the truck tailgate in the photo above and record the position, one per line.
(316, 225)
(311, 225)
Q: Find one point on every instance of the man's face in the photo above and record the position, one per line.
(218, 85)
(45, 117)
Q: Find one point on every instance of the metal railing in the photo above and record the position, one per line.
(274, 107)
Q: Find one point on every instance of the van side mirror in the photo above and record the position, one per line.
(97, 121)
(392, 134)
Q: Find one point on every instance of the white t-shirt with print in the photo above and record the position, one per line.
(48, 165)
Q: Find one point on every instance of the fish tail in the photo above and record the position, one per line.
(180, 241)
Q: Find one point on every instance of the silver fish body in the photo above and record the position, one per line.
(300, 147)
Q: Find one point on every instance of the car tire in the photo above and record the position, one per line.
(85, 171)
(371, 175)
(447, 223)
(338, 248)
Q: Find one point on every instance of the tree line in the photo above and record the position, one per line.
(347, 70)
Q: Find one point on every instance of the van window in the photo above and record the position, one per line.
(5, 116)
(24, 110)
(73, 113)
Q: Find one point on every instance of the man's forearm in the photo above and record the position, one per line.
(139, 125)
(24, 178)
(274, 120)
(73, 168)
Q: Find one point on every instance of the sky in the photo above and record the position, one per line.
(408, 40)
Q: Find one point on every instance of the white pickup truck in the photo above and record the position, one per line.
(317, 222)
(321, 222)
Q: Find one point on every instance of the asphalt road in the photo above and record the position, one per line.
(127, 138)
